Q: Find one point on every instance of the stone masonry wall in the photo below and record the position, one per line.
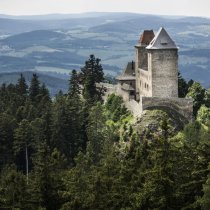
(141, 63)
(145, 81)
(164, 67)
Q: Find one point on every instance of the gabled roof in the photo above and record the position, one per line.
(128, 73)
(162, 41)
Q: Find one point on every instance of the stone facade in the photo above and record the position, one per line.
(163, 73)
(152, 81)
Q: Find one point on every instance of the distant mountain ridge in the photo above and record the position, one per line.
(54, 84)
(60, 43)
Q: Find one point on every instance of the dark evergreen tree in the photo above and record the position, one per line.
(74, 89)
(34, 88)
(21, 86)
(207, 98)
(205, 201)
(23, 144)
(7, 127)
(13, 189)
(45, 182)
(92, 73)
(182, 86)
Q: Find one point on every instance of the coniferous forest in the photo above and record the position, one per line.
(77, 152)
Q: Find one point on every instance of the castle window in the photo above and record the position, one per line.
(145, 85)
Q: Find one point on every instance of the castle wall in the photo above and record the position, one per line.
(124, 94)
(145, 81)
(134, 107)
(164, 67)
(141, 63)
(181, 106)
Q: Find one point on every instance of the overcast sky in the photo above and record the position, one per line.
(163, 7)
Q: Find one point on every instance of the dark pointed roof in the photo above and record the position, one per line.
(145, 38)
(162, 41)
(128, 73)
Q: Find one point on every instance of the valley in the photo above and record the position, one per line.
(56, 44)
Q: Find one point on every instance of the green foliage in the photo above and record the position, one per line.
(73, 152)
(205, 201)
(13, 189)
(34, 88)
(115, 107)
(74, 89)
(197, 93)
(45, 180)
(182, 86)
(207, 98)
(91, 74)
(204, 115)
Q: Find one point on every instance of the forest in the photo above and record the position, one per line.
(77, 152)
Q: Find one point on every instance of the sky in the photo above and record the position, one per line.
(161, 7)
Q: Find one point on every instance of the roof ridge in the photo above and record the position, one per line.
(162, 40)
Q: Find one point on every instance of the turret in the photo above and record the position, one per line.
(163, 65)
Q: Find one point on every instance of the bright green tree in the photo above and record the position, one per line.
(197, 93)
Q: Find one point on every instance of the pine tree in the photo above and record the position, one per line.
(23, 143)
(7, 127)
(46, 177)
(21, 86)
(96, 132)
(34, 88)
(13, 189)
(74, 89)
(182, 86)
(92, 73)
(158, 191)
(205, 201)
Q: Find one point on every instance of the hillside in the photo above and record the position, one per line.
(53, 83)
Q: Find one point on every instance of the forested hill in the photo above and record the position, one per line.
(77, 152)
(60, 43)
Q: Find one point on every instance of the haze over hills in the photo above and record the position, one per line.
(60, 43)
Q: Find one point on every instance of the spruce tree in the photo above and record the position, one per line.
(92, 73)
(74, 89)
(182, 86)
(34, 88)
(23, 143)
(21, 86)
(46, 178)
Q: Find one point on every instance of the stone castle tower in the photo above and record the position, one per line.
(157, 65)
(151, 82)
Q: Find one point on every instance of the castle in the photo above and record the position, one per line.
(151, 82)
